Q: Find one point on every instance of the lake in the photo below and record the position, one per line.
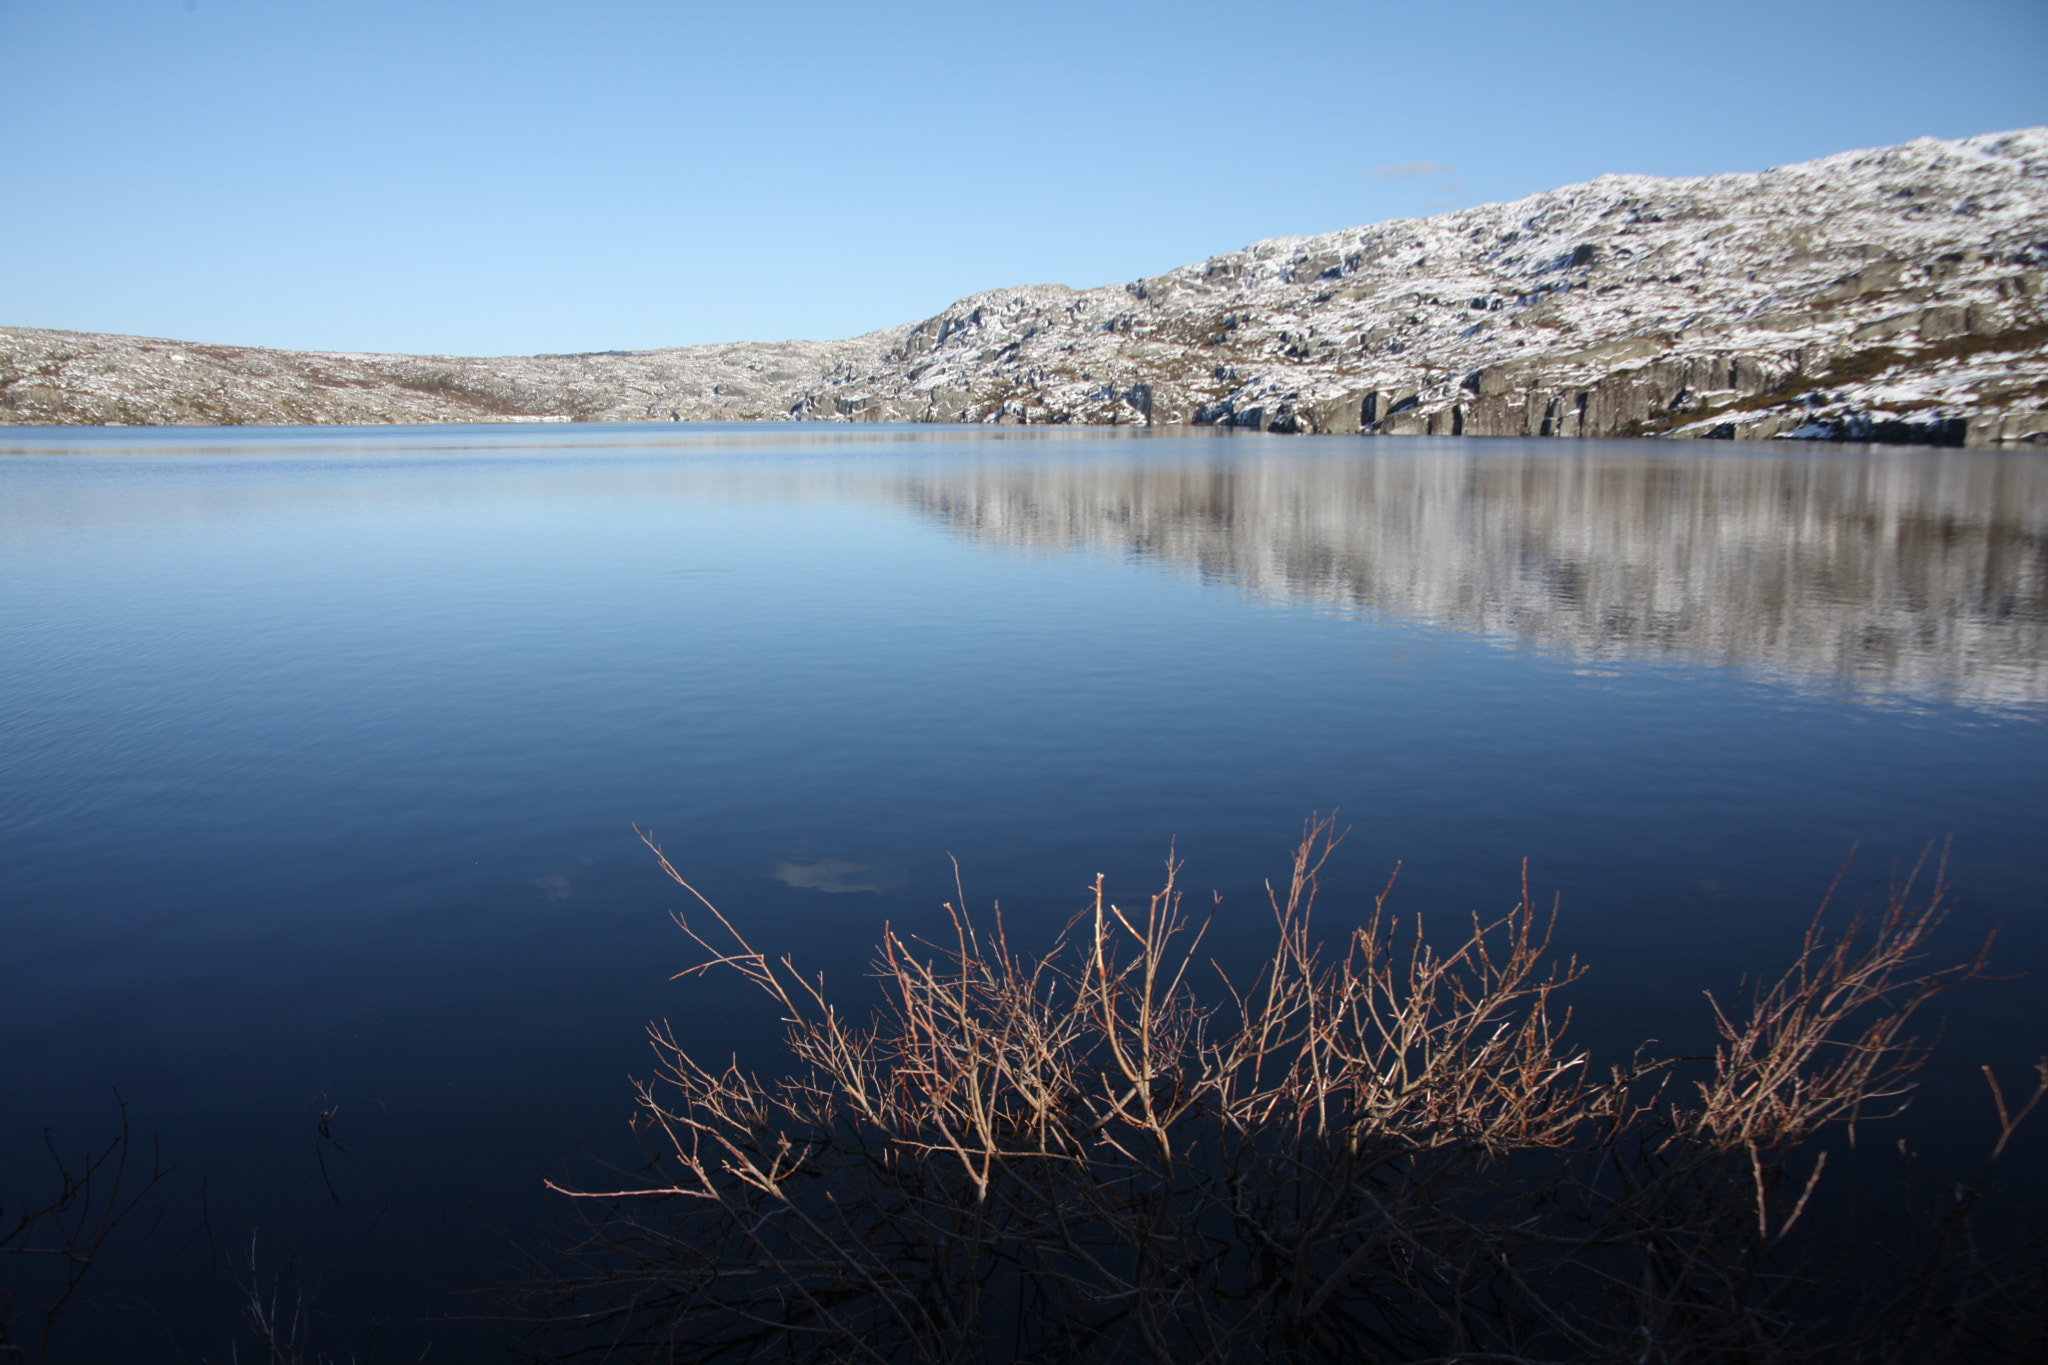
(321, 753)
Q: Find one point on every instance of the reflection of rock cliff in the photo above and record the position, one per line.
(1922, 576)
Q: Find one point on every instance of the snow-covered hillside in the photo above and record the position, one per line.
(1893, 294)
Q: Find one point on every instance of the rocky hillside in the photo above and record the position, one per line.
(1888, 295)
(48, 376)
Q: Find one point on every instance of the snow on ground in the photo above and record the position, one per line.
(1891, 294)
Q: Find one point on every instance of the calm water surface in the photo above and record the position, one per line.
(320, 752)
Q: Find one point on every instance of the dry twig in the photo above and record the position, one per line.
(1379, 1150)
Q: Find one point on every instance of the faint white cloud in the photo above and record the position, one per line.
(554, 888)
(1412, 170)
(835, 877)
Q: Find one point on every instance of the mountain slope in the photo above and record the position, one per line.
(1893, 294)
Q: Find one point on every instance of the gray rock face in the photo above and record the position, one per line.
(1891, 295)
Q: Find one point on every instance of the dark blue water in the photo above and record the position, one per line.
(320, 756)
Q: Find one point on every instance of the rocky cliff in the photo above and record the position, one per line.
(1887, 295)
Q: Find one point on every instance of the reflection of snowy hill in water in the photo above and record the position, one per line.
(1914, 575)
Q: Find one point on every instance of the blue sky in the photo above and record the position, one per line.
(517, 177)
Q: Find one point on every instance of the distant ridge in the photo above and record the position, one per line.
(1886, 295)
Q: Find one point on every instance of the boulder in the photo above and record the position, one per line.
(1948, 320)
(1883, 329)
(1872, 279)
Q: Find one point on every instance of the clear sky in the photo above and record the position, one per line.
(513, 177)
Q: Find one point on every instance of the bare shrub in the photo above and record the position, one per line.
(278, 1313)
(1383, 1150)
(50, 1244)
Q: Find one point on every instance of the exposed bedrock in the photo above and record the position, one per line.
(1885, 295)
